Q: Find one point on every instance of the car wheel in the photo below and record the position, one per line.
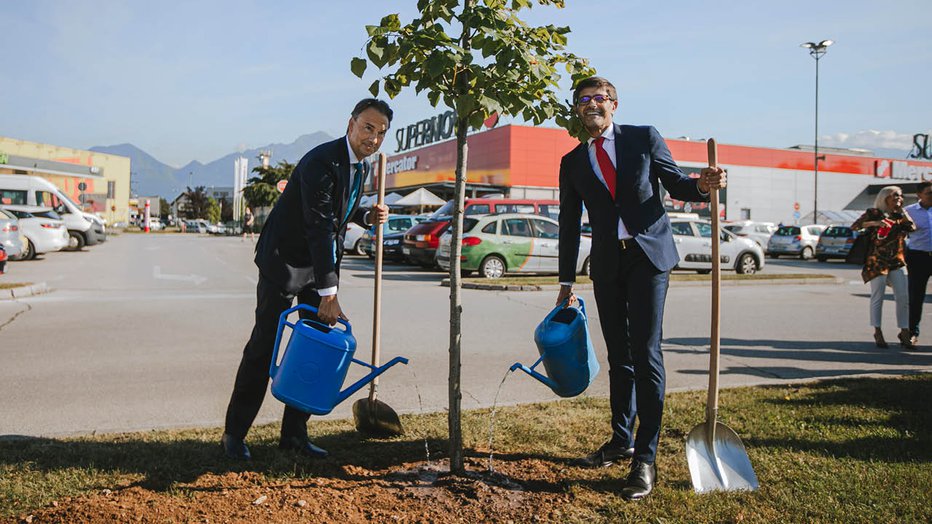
(747, 265)
(29, 251)
(357, 248)
(821, 259)
(806, 253)
(585, 267)
(492, 266)
(75, 241)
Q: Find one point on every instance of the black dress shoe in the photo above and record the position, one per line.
(234, 448)
(605, 456)
(302, 446)
(640, 481)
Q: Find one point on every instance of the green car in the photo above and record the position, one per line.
(495, 245)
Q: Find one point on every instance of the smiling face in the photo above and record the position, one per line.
(596, 117)
(925, 197)
(366, 132)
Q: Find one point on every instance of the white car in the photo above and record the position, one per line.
(759, 232)
(43, 228)
(351, 240)
(693, 238)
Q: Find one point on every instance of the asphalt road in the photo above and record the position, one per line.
(146, 331)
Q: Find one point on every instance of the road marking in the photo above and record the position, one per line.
(196, 279)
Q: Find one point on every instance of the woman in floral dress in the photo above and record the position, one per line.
(887, 226)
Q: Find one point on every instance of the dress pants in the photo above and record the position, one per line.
(919, 264)
(630, 307)
(897, 279)
(252, 378)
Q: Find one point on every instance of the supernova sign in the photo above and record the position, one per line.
(426, 131)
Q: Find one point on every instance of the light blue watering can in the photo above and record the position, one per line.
(314, 364)
(566, 351)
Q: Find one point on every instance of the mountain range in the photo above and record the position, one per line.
(150, 177)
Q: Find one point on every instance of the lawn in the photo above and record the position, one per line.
(847, 450)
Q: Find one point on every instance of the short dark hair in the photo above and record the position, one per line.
(922, 186)
(595, 81)
(379, 105)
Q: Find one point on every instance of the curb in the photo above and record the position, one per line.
(673, 283)
(24, 291)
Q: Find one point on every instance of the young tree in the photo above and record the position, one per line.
(261, 190)
(198, 202)
(213, 210)
(494, 62)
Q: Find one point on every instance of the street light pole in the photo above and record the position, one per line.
(816, 51)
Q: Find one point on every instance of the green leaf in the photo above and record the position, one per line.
(374, 88)
(358, 66)
(376, 53)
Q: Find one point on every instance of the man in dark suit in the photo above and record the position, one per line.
(298, 255)
(632, 255)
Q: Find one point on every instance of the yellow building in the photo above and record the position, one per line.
(105, 177)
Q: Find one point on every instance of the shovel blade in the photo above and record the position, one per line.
(376, 419)
(721, 464)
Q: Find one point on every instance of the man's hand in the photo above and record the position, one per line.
(329, 310)
(712, 178)
(566, 292)
(377, 215)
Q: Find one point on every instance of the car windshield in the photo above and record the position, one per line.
(444, 211)
(787, 231)
(837, 231)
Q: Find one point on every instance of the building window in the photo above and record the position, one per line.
(745, 213)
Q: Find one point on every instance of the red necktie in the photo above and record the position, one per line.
(605, 165)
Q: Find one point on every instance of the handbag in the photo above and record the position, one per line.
(858, 253)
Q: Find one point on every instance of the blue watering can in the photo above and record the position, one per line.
(314, 364)
(566, 351)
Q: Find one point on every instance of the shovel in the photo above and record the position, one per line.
(372, 416)
(717, 458)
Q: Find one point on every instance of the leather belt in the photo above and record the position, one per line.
(921, 253)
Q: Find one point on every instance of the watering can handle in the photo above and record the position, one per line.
(283, 321)
(563, 304)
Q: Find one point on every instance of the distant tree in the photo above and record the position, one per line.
(490, 62)
(198, 202)
(226, 210)
(261, 190)
(213, 211)
(165, 208)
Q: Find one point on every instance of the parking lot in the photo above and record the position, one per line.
(146, 331)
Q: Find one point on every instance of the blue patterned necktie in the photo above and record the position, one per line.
(359, 175)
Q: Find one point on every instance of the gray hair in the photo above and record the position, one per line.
(881, 201)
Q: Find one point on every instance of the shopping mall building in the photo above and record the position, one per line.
(98, 181)
(764, 184)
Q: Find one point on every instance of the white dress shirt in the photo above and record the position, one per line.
(609, 146)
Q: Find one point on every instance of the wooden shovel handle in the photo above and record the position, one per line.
(715, 336)
(377, 300)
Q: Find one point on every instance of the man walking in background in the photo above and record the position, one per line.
(617, 175)
(919, 256)
(298, 254)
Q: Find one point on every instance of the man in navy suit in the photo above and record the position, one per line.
(299, 254)
(632, 255)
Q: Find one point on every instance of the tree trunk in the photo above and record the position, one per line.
(454, 416)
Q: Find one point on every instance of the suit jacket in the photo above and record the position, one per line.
(643, 162)
(302, 241)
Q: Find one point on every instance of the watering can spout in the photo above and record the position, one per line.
(376, 371)
(530, 371)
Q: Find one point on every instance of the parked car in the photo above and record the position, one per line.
(196, 226)
(394, 228)
(495, 245)
(693, 238)
(351, 239)
(85, 229)
(835, 242)
(216, 229)
(3, 259)
(42, 234)
(798, 241)
(11, 238)
(759, 232)
(421, 241)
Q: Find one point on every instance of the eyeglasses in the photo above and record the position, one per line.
(599, 99)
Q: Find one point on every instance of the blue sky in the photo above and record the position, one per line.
(195, 80)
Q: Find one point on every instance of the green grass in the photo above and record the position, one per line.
(11, 285)
(674, 277)
(849, 450)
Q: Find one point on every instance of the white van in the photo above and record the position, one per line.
(84, 229)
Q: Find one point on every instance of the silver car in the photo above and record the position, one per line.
(759, 232)
(693, 238)
(42, 234)
(11, 238)
(797, 241)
